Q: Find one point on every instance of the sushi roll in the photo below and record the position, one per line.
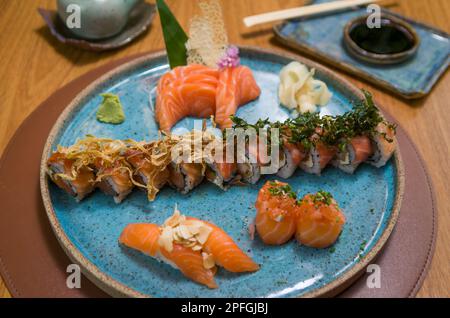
(294, 154)
(193, 246)
(248, 167)
(185, 176)
(318, 157)
(148, 175)
(222, 173)
(352, 153)
(304, 143)
(77, 179)
(383, 144)
(319, 220)
(114, 179)
(256, 156)
(276, 208)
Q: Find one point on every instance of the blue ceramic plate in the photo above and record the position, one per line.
(89, 230)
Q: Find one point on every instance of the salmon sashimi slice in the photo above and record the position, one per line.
(362, 148)
(276, 213)
(236, 87)
(200, 91)
(319, 220)
(145, 238)
(186, 91)
(226, 252)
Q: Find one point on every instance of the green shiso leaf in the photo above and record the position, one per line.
(174, 36)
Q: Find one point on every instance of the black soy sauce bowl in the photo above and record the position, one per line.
(396, 41)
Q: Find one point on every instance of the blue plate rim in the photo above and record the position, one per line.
(118, 289)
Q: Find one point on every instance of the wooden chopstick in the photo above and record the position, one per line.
(304, 11)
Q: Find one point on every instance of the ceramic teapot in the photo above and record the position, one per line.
(95, 19)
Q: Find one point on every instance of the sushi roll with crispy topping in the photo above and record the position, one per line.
(114, 178)
(149, 162)
(78, 181)
(113, 173)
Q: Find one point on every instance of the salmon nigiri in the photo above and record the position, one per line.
(145, 238)
(193, 246)
(236, 87)
(276, 213)
(319, 220)
(186, 91)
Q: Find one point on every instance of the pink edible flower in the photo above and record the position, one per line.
(231, 58)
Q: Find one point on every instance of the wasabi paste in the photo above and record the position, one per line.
(110, 110)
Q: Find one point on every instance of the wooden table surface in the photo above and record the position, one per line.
(33, 65)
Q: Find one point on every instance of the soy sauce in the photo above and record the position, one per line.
(387, 39)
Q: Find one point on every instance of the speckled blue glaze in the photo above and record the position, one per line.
(95, 224)
(413, 77)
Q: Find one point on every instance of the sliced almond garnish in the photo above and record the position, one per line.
(208, 260)
(189, 233)
(203, 234)
(166, 238)
(184, 232)
(196, 247)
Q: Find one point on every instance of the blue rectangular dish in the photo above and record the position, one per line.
(321, 37)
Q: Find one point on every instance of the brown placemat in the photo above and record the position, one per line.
(33, 264)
